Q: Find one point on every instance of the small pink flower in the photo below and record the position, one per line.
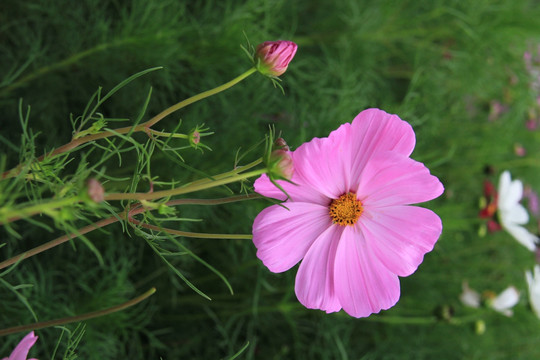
(532, 124)
(274, 56)
(348, 216)
(519, 150)
(96, 192)
(496, 109)
(21, 350)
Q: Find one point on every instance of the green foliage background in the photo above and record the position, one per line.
(437, 64)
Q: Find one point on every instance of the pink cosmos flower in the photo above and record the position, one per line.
(275, 56)
(348, 216)
(21, 350)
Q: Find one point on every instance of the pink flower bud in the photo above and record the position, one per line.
(282, 164)
(195, 137)
(95, 190)
(280, 143)
(274, 56)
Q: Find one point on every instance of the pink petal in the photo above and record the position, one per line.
(314, 284)
(299, 192)
(394, 179)
(374, 131)
(283, 237)
(400, 236)
(323, 164)
(21, 350)
(362, 283)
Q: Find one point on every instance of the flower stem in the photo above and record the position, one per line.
(113, 219)
(192, 234)
(46, 207)
(198, 97)
(129, 129)
(58, 241)
(219, 201)
(173, 135)
(194, 186)
(78, 318)
(411, 320)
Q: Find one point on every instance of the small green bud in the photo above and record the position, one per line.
(480, 327)
(281, 165)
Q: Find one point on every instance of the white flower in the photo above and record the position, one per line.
(469, 297)
(511, 213)
(502, 303)
(505, 301)
(534, 289)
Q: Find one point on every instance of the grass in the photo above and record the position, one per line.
(439, 65)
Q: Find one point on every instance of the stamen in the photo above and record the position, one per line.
(345, 210)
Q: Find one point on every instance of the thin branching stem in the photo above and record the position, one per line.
(131, 129)
(58, 241)
(78, 318)
(31, 210)
(111, 220)
(47, 207)
(191, 234)
(199, 185)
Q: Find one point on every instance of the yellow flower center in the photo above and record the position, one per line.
(345, 210)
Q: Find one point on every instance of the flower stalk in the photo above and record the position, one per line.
(14, 214)
(191, 234)
(198, 185)
(144, 127)
(113, 219)
(78, 318)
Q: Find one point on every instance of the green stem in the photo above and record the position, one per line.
(129, 129)
(58, 241)
(161, 133)
(113, 219)
(192, 234)
(242, 168)
(71, 60)
(200, 96)
(47, 207)
(46, 69)
(413, 320)
(219, 201)
(78, 318)
(194, 186)
(533, 162)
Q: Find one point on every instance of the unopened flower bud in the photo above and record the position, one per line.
(479, 327)
(195, 138)
(273, 57)
(280, 143)
(96, 192)
(444, 312)
(281, 165)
